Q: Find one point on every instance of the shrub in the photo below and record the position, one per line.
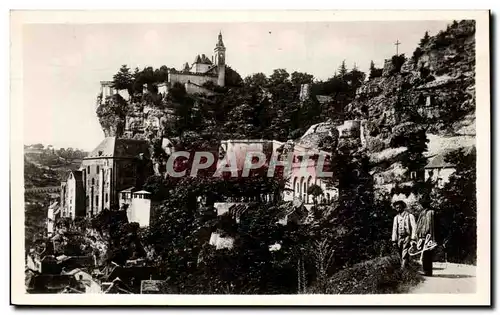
(397, 62)
(417, 54)
(441, 40)
(377, 276)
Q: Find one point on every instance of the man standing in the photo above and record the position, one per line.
(403, 231)
(425, 227)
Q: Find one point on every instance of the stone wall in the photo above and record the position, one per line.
(184, 78)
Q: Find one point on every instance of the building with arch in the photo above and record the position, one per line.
(115, 164)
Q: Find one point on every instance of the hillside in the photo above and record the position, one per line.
(421, 106)
(45, 167)
(433, 90)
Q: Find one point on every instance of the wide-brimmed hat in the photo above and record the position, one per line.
(397, 202)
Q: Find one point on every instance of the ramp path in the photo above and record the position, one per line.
(449, 278)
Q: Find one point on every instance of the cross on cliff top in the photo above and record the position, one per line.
(397, 43)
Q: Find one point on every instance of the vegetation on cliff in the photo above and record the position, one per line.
(400, 104)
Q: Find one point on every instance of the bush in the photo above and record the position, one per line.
(377, 276)
(442, 40)
(417, 54)
(397, 62)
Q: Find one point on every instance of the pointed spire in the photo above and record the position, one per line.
(220, 43)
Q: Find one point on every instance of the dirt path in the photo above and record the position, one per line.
(449, 278)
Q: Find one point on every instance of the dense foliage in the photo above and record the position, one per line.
(456, 208)
(331, 248)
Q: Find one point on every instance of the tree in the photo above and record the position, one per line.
(354, 78)
(37, 146)
(232, 78)
(342, 70)
(374, 72)
(315, 191)
(279, 76)
(456, 208)
(416, 143)
(123, 79)
(425, 39)
(299, 78)
(397, 63)
(256, 80)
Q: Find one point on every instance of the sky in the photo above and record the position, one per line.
(63, 63)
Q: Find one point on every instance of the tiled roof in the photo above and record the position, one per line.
(142, 192)
(128, 189)
(438, 161)
(119, 148)
(320, 127)
(238, 209)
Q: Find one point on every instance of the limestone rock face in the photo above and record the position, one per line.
(436, 86)
(433, 91)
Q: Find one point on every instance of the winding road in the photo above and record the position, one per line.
(449, 278)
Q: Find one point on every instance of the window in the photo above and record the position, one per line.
(88, 169)
(97, 169)
(413, 175)
(97, 201)
(106, 197)
(93, 181)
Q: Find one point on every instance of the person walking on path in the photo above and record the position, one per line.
(426, 226)
(403, 231)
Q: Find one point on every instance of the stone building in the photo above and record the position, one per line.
(53, 213)
(137, 205)
(304, 173)
(203, 69)
(115, 164)
(438, 170)
(72, 202)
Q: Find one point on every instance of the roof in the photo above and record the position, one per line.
(116, 285)
(119, 148)
(438, 161)
(153, 286)
(238, 209)
(142, 192)
(130, 189)
(320, 127)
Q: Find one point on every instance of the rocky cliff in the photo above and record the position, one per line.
(431, 92)
(434, 88)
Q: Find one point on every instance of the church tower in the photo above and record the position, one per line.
(220, 60)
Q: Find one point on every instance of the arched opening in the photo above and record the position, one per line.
(295, 187)
(301, 188)
(304, 190)
(309, 183)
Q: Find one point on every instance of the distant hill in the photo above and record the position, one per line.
(46, 166)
